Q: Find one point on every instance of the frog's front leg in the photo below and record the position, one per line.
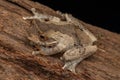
(75, 55)
(46, 51)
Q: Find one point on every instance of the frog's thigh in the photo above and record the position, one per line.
(73, 53)
(79, 54)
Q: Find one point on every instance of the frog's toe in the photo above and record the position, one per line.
(35, 52)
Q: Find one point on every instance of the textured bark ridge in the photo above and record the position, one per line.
(17, 62)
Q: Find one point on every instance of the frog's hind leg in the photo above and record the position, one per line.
(71, 64)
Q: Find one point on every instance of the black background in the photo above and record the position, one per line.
(104, 13)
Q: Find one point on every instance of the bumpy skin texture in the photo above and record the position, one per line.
(73, 53)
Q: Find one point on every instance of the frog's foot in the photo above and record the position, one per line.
(71, 65)
(32, 17)
(37, 15)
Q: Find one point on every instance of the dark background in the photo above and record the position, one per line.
(104, 13)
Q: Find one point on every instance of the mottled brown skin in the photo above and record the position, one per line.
(74, 50)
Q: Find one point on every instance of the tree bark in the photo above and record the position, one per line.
(17, 62)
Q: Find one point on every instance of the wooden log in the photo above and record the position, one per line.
(17, 62)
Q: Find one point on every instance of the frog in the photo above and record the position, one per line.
(74, 49)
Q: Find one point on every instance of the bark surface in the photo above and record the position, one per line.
(17, 62)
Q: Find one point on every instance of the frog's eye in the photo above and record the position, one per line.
(41, 36)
